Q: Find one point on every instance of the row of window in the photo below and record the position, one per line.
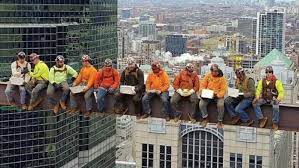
(148, 156)
(254, 161)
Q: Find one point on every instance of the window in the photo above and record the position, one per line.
(202, 149)
(235, 160)
(147, 155)
(255, 161)
(165, 156)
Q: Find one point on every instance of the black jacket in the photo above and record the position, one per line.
(133, 78)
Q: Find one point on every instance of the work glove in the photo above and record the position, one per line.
(55, 85)
(73, 79)
(24, 70)
(191, 91)
(275, 101)
(85, 89)
(158, 92)
(111, 90)
(255, 100)
(180, 92)
(247, 95)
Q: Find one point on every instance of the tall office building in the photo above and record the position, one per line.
(247, 28)
(70, 28)
(270, 32)
(126, 13)
(168, 144)
(176, 44)
(147, 29)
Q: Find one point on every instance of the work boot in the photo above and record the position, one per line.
(235, 120)
(144, 116)
(263, 122)
(192, 119)
(220, 125)
(177, 118)
(56, 108)
(72, 111)
(87, 114)
(249, 123)
(34, 104)
(167, 118)
(204, 122)
(24, 107)
(275, 126)
(12, 103)
(62, 105)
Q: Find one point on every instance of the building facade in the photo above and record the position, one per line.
(247, 28)
(270, 32)
(176, 44)
(182, 145)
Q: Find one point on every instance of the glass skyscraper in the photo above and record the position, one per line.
(50, 27)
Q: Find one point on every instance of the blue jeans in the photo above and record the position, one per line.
(87, 97)
(36, 90)
(52, 89)
(236, 107)
(101, 95)
(275, 108)
(165, 103)
(9, 93)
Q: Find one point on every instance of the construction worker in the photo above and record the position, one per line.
(39, 80)
(186, 84)
(216, 82)
(86, 79)
(131, 76)
(58, 80)
(19, 69)
(237, 106)
(106, 82)
(269, 91)
(157, 84)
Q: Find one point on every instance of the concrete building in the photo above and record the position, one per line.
(147, 29)
(183, 145)
(126, 13)
(149, 47)
(176, 44)
(270, 31)
(247, 28)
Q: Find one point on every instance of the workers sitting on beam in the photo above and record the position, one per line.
(58, 81)
(106, 82)
(269, 91)
(215, 82)
(19, 72)
(186, 84)
(213, 88)
(131, 76)
(157, 84)
(236, 106)
(85, 79)
(38, 82)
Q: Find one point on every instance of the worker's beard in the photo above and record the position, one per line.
(59, 65)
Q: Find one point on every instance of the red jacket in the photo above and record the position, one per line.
(107, 78)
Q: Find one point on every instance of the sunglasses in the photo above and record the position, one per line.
(85, 61)
(269, 71)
